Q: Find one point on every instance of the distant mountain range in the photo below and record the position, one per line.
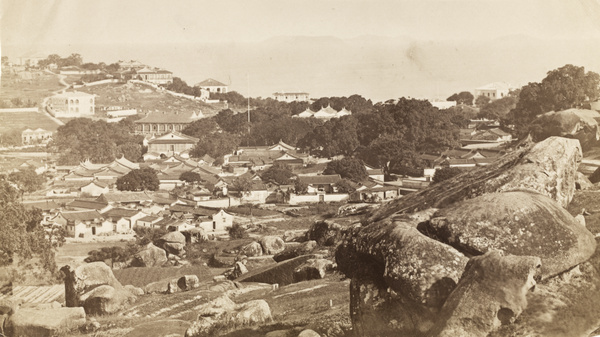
(376, 67)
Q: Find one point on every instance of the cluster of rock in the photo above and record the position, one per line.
(170, 252)
(299, 256)
(46, 319)
(462, 257)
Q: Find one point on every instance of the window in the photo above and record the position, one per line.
(77, 101)
(71, 101)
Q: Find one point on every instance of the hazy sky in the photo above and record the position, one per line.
(158, 21)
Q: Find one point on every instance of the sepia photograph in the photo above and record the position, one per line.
(300, 168)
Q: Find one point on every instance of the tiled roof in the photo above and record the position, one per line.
(210, 83)
(150, 218)
(192, 210)
(89, 204)
(81, 215)
(320, 180)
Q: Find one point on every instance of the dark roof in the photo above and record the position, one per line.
(192, 210)
(124, 197)
(97, 183)
(89, 204)
(210, 83)
(320, 180)
(150, 218)
(81, 215)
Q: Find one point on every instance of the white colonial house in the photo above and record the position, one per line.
(72, 104)
(291, 96)
(212, 86)
(494, 90)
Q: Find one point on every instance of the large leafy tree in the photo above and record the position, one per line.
(139, 180)
(348, 168)
(27, 181)
(98, 141)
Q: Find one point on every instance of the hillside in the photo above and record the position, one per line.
(145, 99)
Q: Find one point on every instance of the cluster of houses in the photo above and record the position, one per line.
(120, 212)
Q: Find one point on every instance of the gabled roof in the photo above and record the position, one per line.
(320, 180)
(495, 86)
(207, 159)
(173, 137)
(76, 216)
(283, 145)
(127, 163)
(95, 182)
(210, 83)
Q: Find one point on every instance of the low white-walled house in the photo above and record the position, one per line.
(79, 224)
(217, 222)
(123, 219)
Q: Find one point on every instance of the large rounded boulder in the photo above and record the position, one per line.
(272, 244)
(517, 223)
(173, 243)
(149, 256)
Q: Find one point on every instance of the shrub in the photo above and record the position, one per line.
(445, 174)
(237, 231)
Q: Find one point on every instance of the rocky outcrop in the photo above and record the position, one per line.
(222, 313)
(44, 322)
(548, 167)
(491, 292)
(517, 223)
(173, 243)
(94, 287)
(581, 124)
(281, 273)
(355, 209)
(325, 233)
(313, 269)
(509, 219)
(252, 249)
(294, 236)
(291, 252)
(149, 256)
(188, 282)
(272, 244)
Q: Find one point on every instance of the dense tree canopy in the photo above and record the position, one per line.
(139, 180)
(26, 180)
(98, 141)
(563, 88)
(21, 235)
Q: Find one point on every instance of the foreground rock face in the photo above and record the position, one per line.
(94, 287)
(409, 272)
(491, 292)
(517, 223)
(548, 167)
(44, 323)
